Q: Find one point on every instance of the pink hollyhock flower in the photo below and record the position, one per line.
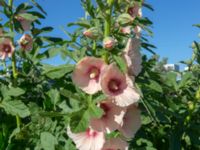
(87, 74)
(88, 140)
(127, 30)
(109, 43)
(115, 144)
(131, 122)
(133, 56)
(118, 86)
(26, 24)
(26, 42)
(111, 119)
(6, 48)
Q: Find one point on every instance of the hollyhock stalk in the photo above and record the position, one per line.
(14, 70)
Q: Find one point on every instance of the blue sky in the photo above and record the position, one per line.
(173, 20)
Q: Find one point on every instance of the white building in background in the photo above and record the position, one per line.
(172, 67)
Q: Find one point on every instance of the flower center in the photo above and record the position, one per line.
(105, 108)
(91, 133)
(114, 85)
(94, 73)
(7, 48)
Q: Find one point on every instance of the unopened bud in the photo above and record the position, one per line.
(92, 33)
(198, 94)
(125, 19)
(109, 43)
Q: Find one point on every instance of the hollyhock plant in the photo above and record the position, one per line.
(6, 48)
(87, 74)
(88, 140)
(131, 122)
(133, 56)
(118, 86)
(26, 42)
(92, 33)
(115, 144)
(109, 43)
(111, 119)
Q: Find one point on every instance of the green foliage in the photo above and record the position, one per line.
(38, 101)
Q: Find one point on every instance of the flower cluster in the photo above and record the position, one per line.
(120, 110)
(7, 47)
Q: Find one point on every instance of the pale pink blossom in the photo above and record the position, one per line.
(88, 140)
(131, 122)
(115, 144)
(111, 119)
(26, 42)
(87, 74)
(6, 48)
(133, 56)
(118, 86)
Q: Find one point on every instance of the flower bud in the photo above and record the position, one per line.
(109, 43)
(190, 105)
(92, 33)
(125, 19)
(198, 94)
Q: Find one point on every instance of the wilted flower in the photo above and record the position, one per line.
(88, 140)
(115, 144)
(87, 74)
(25, 23)
(125, 19)
(26, 42)
(118, 86)
(6, 48)
(133, 56)
(109, 43)
(92, 33)
(131, 122)
(135, 11)
(111, 119)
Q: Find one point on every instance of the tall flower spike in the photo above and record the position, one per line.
(6, 48)
(111, 119)
(88, 140)
(87, 74)
(26, 42)
(115, 144)
(131, 122)
(133, 56)
(118, 86)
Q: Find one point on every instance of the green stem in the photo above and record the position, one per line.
(14, 70)
(18, 121)
(94, 46)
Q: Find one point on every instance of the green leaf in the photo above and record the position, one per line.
(79, 121)
(197, 25)
(81, 23)
(6, 92)
(28, 16)
(56, 72)
(120, 63)
(54, 96)
(155, 86)
(15, 107)
(38, 6)
(48, 141)
(185, 79)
